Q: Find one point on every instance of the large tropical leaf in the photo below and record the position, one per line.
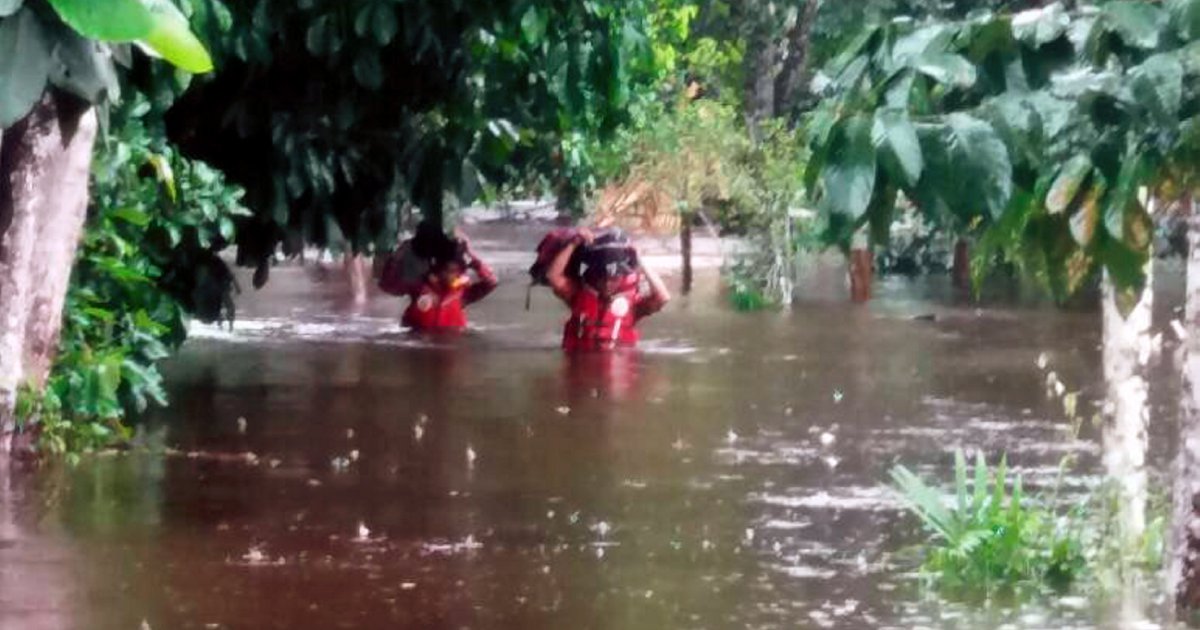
(896, 140)
(967, 167)
(1157, 84)
(9, 7)
(946, 68)
(934, 38)
(1068, 184)
(1038, 27)
(1137, 23)
(1185, 17)
(24, 65)
(80, 66)
(1087, 215)
(172, 38)
(849, 173)
(107, 20)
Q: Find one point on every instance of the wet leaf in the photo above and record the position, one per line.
(1137, 23)
(946, 68)
(896, 139)
(1041, 26)
(113, 21)
(1068, 183)
(1085, 218)
(9, 7)
(24, 66)
(849, 172)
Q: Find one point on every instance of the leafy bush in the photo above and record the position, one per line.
(990, 537)
(147, 262)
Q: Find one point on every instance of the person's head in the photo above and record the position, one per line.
(609, 262)
(449, 265)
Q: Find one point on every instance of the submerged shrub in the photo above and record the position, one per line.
(990, 535)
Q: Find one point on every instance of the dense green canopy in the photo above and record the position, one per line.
(332, 113)
(1038, 128)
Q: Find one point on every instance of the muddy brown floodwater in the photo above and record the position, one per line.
(729, 475)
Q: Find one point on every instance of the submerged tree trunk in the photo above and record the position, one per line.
(44, 162)
(685, 250)
(1183, 561)
(862, 268)
(961, 271)
(1127, 350)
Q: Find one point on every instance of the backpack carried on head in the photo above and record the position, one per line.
(416, 257)
(609, 247)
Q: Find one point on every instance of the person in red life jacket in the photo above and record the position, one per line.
(605, 297)
(439, 296)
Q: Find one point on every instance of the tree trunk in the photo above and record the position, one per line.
(761, 71)
(685, 250)
(961, 270)
(1126, 357)
(44, 165)
(1183, 562)
(861, 272)
(793, 76)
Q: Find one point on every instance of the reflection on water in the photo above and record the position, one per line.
(728, 476)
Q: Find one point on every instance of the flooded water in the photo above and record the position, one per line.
(327, 471)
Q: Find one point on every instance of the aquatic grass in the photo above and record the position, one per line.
(989, 536)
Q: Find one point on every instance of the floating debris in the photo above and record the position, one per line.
(1042, 361)
(241, 425)
(563, 410)
(418, 431)
(731, 436)
(470, 457)
(349, 434)
(827, 439)
(364, 534)
(408, 586)
(339, 463)
(838, 396)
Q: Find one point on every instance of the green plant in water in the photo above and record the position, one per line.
(148, 262)
(990, 536)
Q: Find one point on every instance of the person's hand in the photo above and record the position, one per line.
(585, 236)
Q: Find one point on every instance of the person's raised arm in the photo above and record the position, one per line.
(485, 279)
(659, 295)
(563, 286)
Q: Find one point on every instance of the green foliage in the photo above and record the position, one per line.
(334, 113)
(147, 262)
(72, 44)
(989, 536)
(1036, 130)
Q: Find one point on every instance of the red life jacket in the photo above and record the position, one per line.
(598, 324)
(436, 309)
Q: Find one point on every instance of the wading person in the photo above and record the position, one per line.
(435, 272)
(602, 287)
